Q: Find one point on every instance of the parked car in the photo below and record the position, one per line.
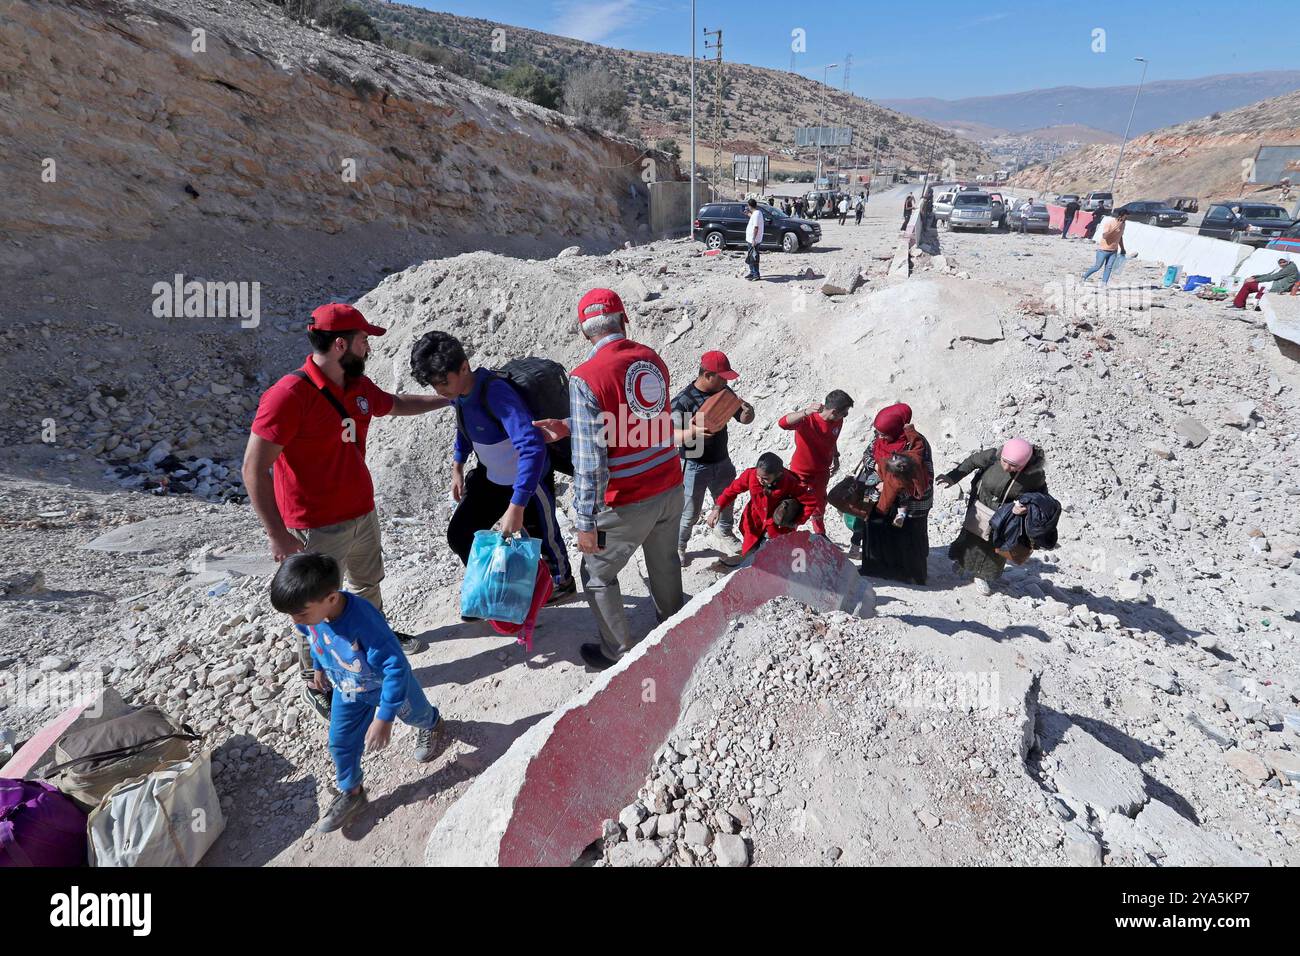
(999, 210)
(1239, 220)
(1029, 216)
(1289, 241)
(722, 224)
(831, 199)
(943, 205)
(1154, 212)
(1066, 198)
(1098, 200)
(1184, 203)
(971, 210)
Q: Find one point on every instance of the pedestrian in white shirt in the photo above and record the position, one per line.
(843, 209)
(753, 238)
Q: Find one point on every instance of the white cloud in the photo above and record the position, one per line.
(596, 20)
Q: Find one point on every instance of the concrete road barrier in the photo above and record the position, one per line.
(542, 803)
(1198, 255)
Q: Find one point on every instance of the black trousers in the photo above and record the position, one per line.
(482, 506)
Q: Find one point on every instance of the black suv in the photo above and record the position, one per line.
(722, 224)
(1154, 212)
(1239, 220)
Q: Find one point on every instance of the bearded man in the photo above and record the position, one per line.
(305, 464)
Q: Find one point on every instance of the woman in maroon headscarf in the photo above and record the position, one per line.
(897, 535)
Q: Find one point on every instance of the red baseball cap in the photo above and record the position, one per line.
(341, 317)
(599, 302)
(719, 363)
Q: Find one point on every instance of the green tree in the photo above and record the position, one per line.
(529, 83)
(669, 146)
(594, 96)
(348, 20)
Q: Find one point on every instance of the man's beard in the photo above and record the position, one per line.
(354, 366)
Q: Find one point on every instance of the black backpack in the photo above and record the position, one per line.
(544, 387)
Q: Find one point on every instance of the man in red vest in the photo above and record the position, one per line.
(627, 478)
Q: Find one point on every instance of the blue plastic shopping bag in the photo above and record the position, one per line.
(500, 577)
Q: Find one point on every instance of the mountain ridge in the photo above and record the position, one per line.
(1163, 102)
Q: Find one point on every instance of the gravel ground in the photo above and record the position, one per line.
(1163, 628)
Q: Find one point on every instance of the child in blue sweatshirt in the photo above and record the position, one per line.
(353, 649)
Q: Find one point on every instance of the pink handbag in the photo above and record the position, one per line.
(541, 594)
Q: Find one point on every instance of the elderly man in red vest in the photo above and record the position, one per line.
(627, 479)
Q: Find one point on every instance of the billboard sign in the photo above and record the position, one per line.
(749, 168)
(1275, 163)
(823, 136)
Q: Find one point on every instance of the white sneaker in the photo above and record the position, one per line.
(982, 587)
(726, 540)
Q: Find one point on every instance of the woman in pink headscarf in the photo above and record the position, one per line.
(1001, 475)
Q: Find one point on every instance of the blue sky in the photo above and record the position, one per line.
(966, 49)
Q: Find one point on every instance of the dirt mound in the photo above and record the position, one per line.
(917, 337)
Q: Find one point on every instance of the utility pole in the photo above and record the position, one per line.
(821, 131)
(1124, 141)
(690, 226)
(716, 46)
(839, 150)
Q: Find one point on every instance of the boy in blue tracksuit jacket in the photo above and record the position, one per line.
(513, 484)
(354, 650)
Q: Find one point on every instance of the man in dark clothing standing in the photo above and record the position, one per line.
(1098, 215)
(1071, 210)
(706, 465)
(908, 205)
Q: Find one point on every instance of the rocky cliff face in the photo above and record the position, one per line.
(148, 115)
(152, 145)
(1205, 158)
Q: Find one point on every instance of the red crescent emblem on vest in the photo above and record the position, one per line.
(646, 389)
(638, 387)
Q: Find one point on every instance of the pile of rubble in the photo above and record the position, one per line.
(809, 739)
(162, 473)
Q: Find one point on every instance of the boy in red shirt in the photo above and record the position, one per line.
(768, 485)
(816, 457)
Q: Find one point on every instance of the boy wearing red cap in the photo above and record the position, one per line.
(305, 467)
(816, 453)
(706, 465)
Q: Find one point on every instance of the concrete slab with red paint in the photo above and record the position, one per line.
(1056, 219)
(543, 801)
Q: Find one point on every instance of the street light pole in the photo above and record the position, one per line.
(825, 77)
(1128, 125)
(690, 226)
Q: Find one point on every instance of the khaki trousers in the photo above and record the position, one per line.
(356, 546)
(651, 525)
